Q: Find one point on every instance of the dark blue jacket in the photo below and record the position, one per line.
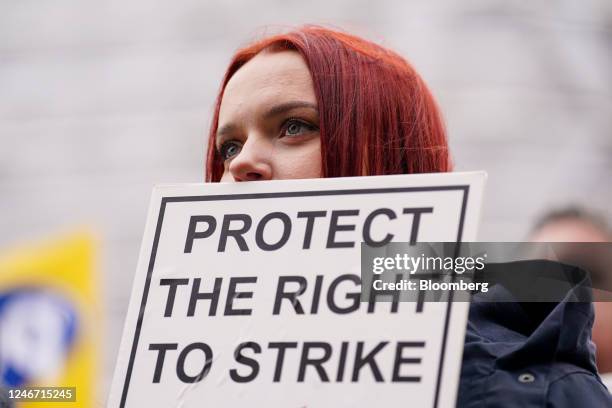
(530, 355)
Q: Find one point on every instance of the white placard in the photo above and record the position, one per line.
(247, 294)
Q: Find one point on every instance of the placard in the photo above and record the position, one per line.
(248, 294)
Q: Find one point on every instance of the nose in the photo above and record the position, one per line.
(253, 162)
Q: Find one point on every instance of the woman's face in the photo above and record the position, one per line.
(269, 122)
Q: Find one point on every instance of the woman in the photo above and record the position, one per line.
(368, 112)
(320, 103)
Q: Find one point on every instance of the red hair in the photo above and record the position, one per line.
(376, 115)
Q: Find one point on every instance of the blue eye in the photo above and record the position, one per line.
(229, 149)
(294, 127)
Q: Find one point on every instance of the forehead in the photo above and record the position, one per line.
(269, 78)
(571, 230)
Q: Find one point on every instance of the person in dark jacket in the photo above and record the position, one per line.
(315, 102)
(530, 354)
(577, 224)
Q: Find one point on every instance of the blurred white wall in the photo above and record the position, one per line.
(100, 100)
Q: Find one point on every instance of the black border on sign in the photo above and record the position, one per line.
(226, 197)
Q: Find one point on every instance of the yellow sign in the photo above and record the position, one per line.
(49, 318)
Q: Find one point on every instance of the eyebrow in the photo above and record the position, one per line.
(287, 106)
(274, 111)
